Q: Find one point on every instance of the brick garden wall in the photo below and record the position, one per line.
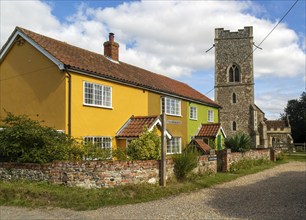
(226, 157)
(97, 174)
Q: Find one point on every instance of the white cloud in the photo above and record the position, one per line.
(33, 15)
(166, 37)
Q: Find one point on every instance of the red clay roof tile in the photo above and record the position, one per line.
(203, 146)
(209, 130)
(135, 126)
(82, 60)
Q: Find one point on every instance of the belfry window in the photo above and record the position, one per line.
(234, 98)
(234, 73)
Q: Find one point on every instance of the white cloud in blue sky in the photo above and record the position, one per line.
(171, 37)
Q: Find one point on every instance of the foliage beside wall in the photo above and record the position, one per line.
(146, 147)
(184, 163)
(238, 143)
(25, 140)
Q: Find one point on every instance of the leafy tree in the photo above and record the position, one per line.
(296, 111)
(238, 143)
(146, 147)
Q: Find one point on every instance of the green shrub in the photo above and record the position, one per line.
(95, 152)
(120, 153)
(238, 143)
(25, 140)
(184, 163)
(146, 147)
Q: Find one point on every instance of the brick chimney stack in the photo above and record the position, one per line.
(111, 48)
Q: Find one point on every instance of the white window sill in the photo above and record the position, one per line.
(98, 106)
(174, 115)
(173, 153)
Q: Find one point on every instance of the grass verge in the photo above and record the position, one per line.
(38, 194)
(296, 156)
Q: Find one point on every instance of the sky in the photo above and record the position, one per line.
(171, 37)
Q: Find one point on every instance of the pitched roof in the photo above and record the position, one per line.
(202, 146)
(84, 61)
(210, 130)
(136, 124)
(275, 124)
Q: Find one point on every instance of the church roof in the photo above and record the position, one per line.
(277, 124)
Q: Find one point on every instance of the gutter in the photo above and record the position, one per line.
(69, 98)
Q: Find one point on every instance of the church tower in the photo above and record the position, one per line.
(234, 81)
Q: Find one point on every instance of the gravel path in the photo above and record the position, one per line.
(277, 193)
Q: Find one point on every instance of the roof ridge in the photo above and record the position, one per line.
(153, 116)
(60, 41)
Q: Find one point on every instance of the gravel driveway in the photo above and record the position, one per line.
(277, 193)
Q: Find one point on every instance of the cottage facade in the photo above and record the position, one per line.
(91, 96)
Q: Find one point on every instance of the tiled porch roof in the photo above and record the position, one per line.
(135, 126)
(209, 130)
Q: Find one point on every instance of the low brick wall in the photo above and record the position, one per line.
(97, 174)
(226, 157)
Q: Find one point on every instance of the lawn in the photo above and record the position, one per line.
(33, 194)
(296, 156)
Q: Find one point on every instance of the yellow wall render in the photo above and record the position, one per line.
(98, 121)
(176, 130)
(33, 85)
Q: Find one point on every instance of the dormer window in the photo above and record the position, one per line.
(234, 73)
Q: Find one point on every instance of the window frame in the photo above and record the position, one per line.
(93, 138)
(210, 117)
(193, 115)
(170, 141)
(102, 143)
(168, 111)
(105, 100)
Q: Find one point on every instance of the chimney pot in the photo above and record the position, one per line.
(111, 37)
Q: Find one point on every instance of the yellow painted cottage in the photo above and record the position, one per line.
(92, 96)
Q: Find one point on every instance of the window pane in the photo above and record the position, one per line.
(88, 93)
(231, 74)
(107, 96)
(234, 98)
(173, 106)
(97, 94)
(174, 145)
(210, 116)
(237, 75)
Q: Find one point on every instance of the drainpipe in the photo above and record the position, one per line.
(69, 99)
